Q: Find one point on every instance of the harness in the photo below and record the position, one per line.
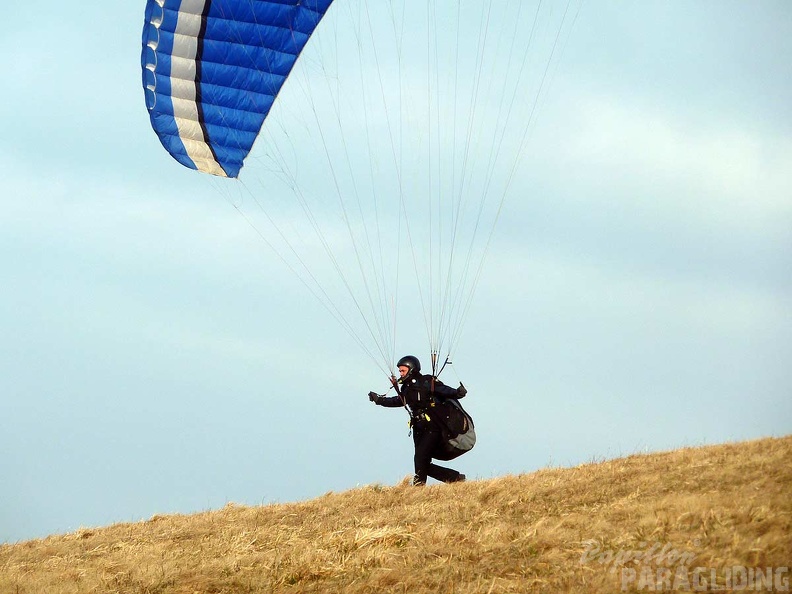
(418, 416)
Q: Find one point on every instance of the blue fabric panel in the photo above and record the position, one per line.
(246, 50)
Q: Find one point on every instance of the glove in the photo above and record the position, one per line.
(461, 391)
(373, 396)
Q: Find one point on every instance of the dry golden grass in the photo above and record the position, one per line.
(555, 530)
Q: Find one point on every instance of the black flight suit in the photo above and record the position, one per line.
(420, 393)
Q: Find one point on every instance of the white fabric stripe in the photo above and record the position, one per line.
(185, 46)
(188, 24)
(198, 150)
(183, 89)
(192, 6)
(192, 131)
(185, 108)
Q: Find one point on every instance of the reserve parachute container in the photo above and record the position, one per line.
(459, 432)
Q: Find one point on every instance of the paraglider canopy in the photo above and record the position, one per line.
(212, 69)
(385, 162)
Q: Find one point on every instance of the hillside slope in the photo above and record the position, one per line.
(632, 524)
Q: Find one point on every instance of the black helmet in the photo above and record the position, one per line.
(410, 362)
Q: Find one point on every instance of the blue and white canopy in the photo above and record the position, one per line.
(212, 69)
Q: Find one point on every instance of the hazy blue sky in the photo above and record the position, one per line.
(156, 358)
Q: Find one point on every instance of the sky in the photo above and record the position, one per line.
(156, 357)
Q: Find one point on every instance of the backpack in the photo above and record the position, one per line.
(459, 433)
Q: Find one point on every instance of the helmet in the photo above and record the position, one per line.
(410, 362)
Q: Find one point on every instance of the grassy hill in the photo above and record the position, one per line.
(712, 516)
